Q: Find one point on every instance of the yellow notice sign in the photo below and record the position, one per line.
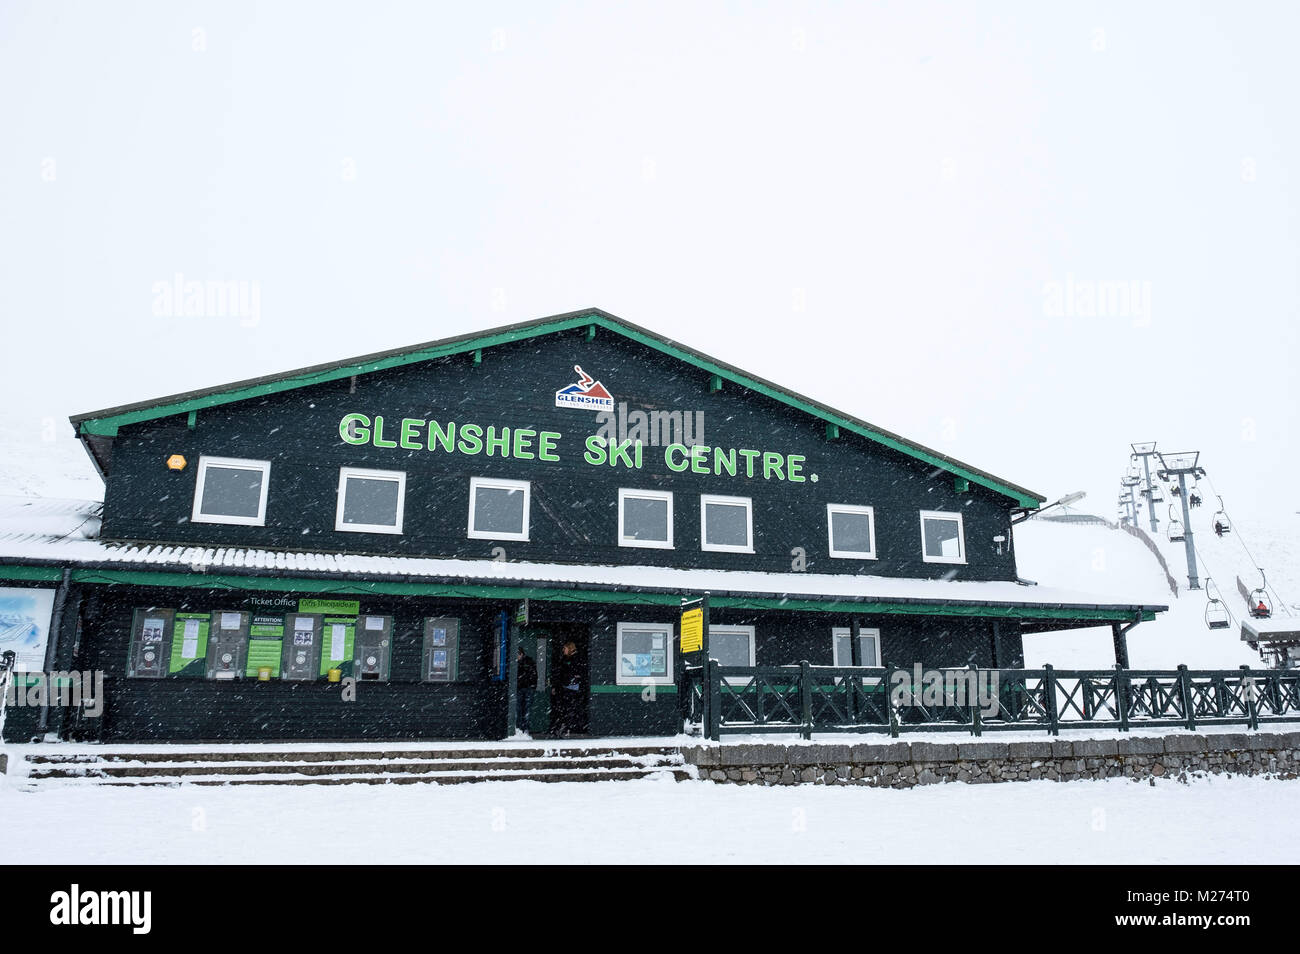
(693, 630)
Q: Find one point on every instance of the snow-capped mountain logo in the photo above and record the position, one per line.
(586, 393)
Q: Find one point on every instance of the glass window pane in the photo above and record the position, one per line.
(850, 532)
(643, 653)
(729, 648)
(370, 501)
(942, 537)
(726, 524)
(499, 510)
(867, 645)
(645, 518)
(231, 492)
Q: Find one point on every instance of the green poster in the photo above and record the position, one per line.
(264, 642)
(336, 644)
(190, 643)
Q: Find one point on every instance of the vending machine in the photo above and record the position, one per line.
(373, 648)
(302, 641)
(151, 643)
(441, 639)
(228, 644)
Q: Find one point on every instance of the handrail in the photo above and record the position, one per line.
(805, 698)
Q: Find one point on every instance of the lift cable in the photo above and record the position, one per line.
(1255, 563)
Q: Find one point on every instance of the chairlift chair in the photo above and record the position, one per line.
(1261, 605)
(1220, 520)
(1175, 530)
(1216, 613)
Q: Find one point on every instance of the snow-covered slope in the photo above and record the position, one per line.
(1100, 560)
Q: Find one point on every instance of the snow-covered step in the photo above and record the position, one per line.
(192, 765)
(677, 773)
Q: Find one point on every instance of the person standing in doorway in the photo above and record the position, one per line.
(525, 686)
(566, 691)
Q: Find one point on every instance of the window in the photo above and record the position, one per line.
(941, 537)
(726, 524)
(852, 531)
(868, 640)
(645, 654)
(498, 509)
(732, 646)
(645, 518)
(229, 490)
(370, 501)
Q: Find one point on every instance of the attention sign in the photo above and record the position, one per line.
(693, 630)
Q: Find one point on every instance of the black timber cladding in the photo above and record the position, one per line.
(574, 504)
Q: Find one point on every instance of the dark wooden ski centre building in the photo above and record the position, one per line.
(355, 550)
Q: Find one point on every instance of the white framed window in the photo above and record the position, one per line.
(942, 539)
(851, 531)
(732, 646)
(726, 524)
(645, 518)
(370, 501)
(498, 509)
(231, 490)
(645, 654)
(868, 640)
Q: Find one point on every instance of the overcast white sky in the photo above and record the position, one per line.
(876, 204)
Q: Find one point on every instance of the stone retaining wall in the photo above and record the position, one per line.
(899, 764)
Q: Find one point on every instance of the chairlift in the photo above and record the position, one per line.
(1220, 520)
(1175, 490)
(1216, 614)
(1175, 530)
(1194, 493)
(1261, 605)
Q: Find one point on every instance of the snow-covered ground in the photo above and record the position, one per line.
(654, 821)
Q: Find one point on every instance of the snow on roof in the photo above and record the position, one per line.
(1276, 627)
(65, 531)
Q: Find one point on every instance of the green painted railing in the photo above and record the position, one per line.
(805, 698)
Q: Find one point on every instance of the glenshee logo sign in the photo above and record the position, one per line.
(587, 393)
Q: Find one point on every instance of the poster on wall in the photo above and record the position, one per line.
(25, 625)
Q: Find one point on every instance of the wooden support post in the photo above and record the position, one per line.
(1121, 696)
(1049, 700)
(1119, 638)
(805, 698)
(1185, 693)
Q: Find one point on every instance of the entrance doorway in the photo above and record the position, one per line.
(558, 710)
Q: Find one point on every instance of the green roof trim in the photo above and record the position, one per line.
(106, 423)
(501, 591)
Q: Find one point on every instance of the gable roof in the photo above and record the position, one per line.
(95, 427)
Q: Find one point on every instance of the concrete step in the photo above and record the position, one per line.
(125, 770)
(677, 773)
(254, 765)
(255, 754)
